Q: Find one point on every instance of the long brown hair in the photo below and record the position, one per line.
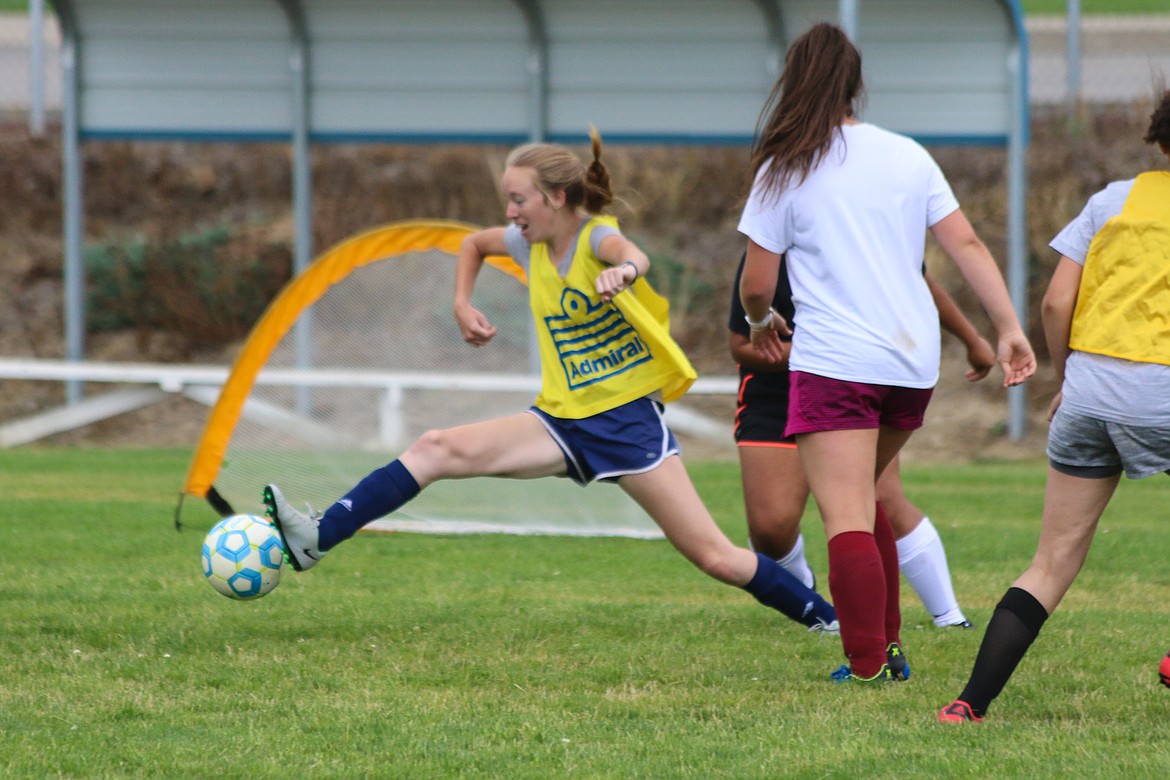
(816, 91)
(1159, 131)
(558, 169)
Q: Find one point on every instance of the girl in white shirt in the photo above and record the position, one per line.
(849, 205)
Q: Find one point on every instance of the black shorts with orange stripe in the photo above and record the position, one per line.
(761, 409)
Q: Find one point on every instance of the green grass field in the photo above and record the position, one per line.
(503, 657)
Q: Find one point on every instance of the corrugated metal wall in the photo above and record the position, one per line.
(672, 70)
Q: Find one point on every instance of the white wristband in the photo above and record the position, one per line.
(762, 324)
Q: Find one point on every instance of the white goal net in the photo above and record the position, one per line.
(388, 363)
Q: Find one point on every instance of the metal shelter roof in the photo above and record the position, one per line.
(508, 71)
(504, 71)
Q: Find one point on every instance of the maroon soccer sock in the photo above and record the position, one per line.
(857, 582)
(883, 534)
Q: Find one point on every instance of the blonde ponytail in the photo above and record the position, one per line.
(559, 170)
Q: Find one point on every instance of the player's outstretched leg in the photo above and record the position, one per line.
(308, 537)
(668, 495)
(774, 587)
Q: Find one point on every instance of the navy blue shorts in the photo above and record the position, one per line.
(631, 439)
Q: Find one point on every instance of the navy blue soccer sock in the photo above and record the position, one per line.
(774, 587)
(379, 494)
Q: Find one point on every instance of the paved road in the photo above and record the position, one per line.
(1121, 57)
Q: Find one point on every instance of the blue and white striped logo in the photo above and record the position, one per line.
(594, 342)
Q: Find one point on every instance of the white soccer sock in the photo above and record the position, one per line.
(796, 564)
(923, 561)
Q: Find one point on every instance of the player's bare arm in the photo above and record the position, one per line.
(757, 287)
(980, 354)
(1056, 312)
(958, 239)
(473, 324)
(625, 261)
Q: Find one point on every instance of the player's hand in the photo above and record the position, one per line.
(614, 279)
(981, 358)
(766, 341)
(1052, 407)
(474, 326)
(1015, 357)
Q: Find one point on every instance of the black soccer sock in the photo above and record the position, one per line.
(1013, 628)
(379, 494)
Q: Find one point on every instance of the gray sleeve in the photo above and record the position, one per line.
(517, 246)
(521, 251)
(599, 234)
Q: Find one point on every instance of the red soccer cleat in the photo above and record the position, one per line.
(957, 711)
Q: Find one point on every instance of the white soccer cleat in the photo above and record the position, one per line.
(297, 530)
(828, 629)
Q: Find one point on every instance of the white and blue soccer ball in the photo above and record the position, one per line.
(243, 557)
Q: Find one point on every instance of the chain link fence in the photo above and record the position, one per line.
(1123, 59)
(20, 78)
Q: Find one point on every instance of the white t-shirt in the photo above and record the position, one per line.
(1108, 388)
(854, 234)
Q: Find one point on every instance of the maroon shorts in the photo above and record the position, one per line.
(818, 403)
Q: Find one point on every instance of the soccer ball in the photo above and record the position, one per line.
(1164, 670)
(243, 557)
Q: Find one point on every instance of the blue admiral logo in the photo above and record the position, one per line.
(594, 342)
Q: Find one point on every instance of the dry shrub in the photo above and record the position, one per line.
(680, 204)
(356, 188)
(208, 287)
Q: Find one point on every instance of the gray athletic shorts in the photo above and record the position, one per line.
(1087, 447)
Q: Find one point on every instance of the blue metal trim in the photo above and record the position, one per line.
(993, 139)
(658, 139)
(193, 136)
(485, 139)
(474, 139)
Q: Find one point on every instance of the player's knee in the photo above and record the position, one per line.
(777, 537)
(774, 542)
(433, 452)
(718, 564)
